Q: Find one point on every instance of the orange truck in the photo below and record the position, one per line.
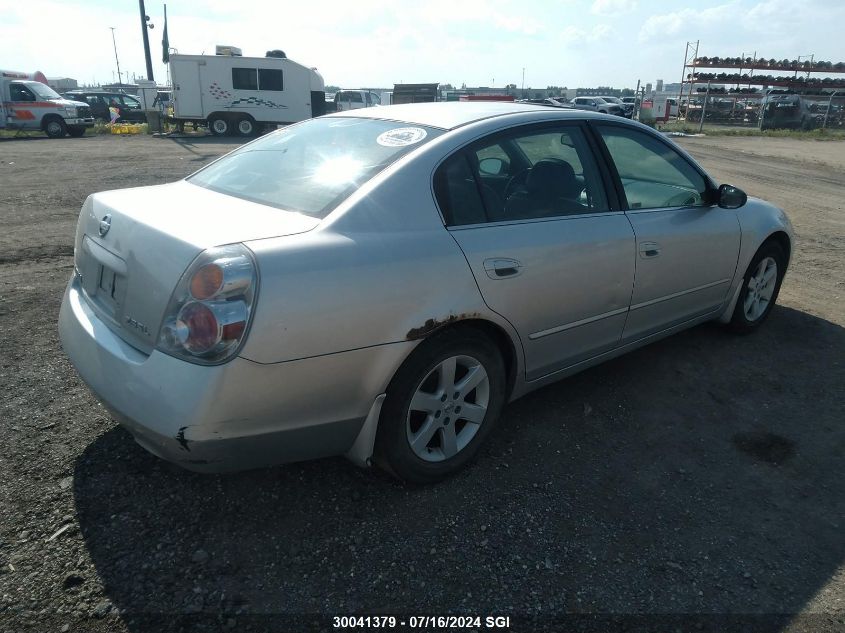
(28, 103)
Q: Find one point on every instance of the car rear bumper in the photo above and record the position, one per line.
(235, 416)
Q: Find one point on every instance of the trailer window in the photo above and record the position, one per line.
(244, 79)
(270, 79)
(312, 167)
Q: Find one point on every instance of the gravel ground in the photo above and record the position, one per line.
(696, 484)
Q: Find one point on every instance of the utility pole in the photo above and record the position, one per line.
(703, 107)
(523, 82)
(144, 20)
(827, 112)
(117, 61)
(637, 102)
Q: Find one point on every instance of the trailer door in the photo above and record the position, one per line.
(187, 90)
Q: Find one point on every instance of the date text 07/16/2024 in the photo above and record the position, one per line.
(420, 622)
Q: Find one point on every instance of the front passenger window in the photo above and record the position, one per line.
(653, 175)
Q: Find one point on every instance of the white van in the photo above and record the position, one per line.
(355, 99)
(240, 95)
(27, 104)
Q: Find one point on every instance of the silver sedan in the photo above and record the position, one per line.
(380, 283)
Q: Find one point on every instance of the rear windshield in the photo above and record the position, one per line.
(313, 167)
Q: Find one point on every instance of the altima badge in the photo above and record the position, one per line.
(105, 224)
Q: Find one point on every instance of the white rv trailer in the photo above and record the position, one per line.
(240, 95)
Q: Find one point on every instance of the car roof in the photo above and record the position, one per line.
(78, 91)
(452, 114)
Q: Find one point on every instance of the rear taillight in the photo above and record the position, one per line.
(208, 315)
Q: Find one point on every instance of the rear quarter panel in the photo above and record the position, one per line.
(381, 269)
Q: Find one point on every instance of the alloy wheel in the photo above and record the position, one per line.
(448, 408)
(761, 287)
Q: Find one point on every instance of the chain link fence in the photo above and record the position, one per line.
(774, 111)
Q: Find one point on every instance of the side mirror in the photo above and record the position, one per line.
(731, 197)
(491, 166)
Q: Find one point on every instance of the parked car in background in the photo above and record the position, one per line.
(101, 102)
(786, 111)
(634, 101)
(346, 100)
(380, 283)
(549, 101)
(26, 104)
(628, 109)
(597, 104)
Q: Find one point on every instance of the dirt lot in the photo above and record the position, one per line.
(696, 484)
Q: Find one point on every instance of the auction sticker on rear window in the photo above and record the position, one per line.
(401, 136)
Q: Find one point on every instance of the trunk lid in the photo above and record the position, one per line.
(133, 245)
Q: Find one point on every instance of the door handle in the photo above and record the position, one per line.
(649, 249)
(501, 267)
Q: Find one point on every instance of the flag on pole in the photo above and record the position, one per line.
(165, 41)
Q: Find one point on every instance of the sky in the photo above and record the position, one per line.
(376, 43)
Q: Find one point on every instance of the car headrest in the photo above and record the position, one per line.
(550, 179)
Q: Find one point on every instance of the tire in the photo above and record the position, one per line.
(758, 296)
(219, 126)
(76, 131)
(246, 127)
(55, 127)
(423, 445)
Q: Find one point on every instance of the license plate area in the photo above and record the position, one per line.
(106, 281)
(110, 291)
(103, 278)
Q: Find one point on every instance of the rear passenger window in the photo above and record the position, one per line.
(457, 193)
(270, 79)
(244, 79)
(525, 175)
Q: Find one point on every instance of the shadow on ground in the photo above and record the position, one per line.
(701, 475)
